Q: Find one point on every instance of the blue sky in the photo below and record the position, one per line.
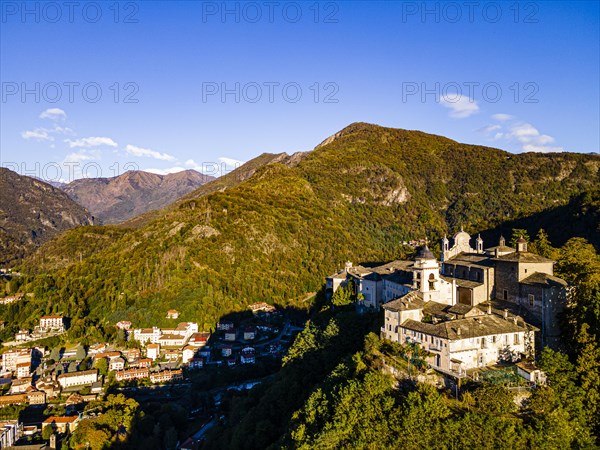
(170, 85)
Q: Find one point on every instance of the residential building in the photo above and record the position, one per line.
(249, 333)
(226, 350)
(52, 323)
(141, 363)
(172, 314)
(196, 363)
(144, 335)
(20, 386)
(225, 325)
(12, 358)
(117, 364)
(10, 432)
(199, 339)
(85, 377)
(172, 340)
(185, 329)
(188, 354)
(529, 371)
(133, 354)
(23, 369)
(49, 386)
(62, 424)
(23, 336)
(97, 348)
(230, 335)
(123, 325)
(17, 399)
(261, 308)
(132, 374)
(166, 376)
(153, 351)
(172, 355)
(36, 397)
(247, 356)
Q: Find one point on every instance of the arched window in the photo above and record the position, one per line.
(431, 282)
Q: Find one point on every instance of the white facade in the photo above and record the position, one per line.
(153, 351)
(188, 354)
(144, 335)
(78, 378)
(52, 323)
(12, 358)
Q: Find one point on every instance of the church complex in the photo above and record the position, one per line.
(474, 308)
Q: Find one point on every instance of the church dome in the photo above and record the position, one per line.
(425, 253)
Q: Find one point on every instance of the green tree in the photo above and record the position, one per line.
(47, 431)
(494, 399)
(516, 234)
(80, 354)
(55, 353)
(102, 366)
(541, 245)
(342, 296)
(588, 369)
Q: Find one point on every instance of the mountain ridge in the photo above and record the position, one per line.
(120, 198)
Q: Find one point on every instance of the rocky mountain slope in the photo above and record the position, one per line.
(117, 199)
(31, 213)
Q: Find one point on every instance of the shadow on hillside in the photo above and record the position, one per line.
(182, 410)
(577, 218)
(219, 393)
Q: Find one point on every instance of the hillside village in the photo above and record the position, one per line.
(75, 375)
(475, 308)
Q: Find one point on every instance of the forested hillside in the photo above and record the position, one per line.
(275, 235)
(335, 389)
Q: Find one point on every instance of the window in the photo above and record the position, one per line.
(505, 294)
(494, 339)
(517, 340)
(531, 299)
(525, 270)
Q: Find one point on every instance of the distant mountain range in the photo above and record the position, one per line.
(117, 199)
(33, 212)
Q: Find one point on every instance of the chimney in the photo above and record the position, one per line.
(515, 320)
(506, 313)
(458, 331)
(489, 311)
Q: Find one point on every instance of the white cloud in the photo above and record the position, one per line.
(502, 117)
(541, 148)
(39, 134)
(53, 114)
(230, 161)
(521, 134)
(139, 151)
(489, 128)
(61, 130)
(166, 171)
(222, 166)
(91, 142)
(81, 155)
(460, 106)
